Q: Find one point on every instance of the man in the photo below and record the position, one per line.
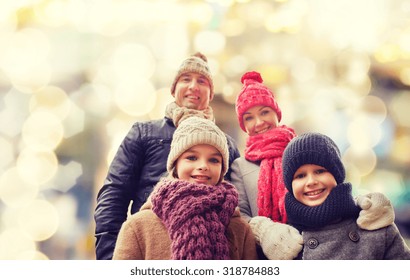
(141, 158)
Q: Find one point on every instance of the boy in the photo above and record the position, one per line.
(320, 205)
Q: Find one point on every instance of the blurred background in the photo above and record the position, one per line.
(75, 75)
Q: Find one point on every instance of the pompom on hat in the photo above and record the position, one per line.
(197, 63)
(254, 93)
(312, 148)
(196, 131)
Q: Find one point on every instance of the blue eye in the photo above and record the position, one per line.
(214, 160)
(299, 176)
(191, 158)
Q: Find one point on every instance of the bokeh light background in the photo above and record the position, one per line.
(75, 75)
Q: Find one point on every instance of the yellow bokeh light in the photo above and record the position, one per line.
(364, 132)
(364, 160)
(200, 13)
(399, 108)
(31, 255)
(273, 74)
(14, 242)
(133, 61)
(42, 131)
(374, 107)
(405, 75)
(6, 152)
(51, 99)
(37, 167)
(136, 100)
(210, 42)
(387, 53)
(39, 220)
(25, 60)
(164, 97)
(401, 149)
(14, 190)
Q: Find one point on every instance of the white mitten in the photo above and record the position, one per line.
(377, 211)
(278, 241)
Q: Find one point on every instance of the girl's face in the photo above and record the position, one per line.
(259, 119)
(312, 184)
(201, 164)
(193, 91)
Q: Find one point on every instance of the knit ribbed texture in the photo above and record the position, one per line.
(197, 63)
(178, 114)
(195, 131)
(338, 205)
(196, 217)
(312, 148)
(268, 148)
(254, 93)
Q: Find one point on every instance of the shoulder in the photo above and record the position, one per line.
(145, 130)
(237, 222)
(142, 220)
(244, 166)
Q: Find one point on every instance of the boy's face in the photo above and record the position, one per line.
(312, 184)
(201, 164)
(259, 119)
(193, 91)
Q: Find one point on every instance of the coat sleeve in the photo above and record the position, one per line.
(127, 246)
(237, 181)
(396, 247)
(233, 154)
(115, 195)
(249, 246)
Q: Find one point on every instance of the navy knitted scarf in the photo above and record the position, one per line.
(339, 205)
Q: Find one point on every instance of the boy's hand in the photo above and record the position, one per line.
(377, 211)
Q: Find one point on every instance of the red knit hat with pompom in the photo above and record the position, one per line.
(254, 93)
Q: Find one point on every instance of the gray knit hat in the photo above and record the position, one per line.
(197, 63)
(195, 131)
(312, 148)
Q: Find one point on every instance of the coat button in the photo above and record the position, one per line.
(312, 243)
(354, 236)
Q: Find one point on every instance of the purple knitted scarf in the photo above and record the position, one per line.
(196, 217)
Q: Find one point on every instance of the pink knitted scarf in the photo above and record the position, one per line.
(196, 217)
(268, 148)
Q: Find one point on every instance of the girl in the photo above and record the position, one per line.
(192, 214)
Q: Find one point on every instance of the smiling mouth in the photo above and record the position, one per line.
(200, 177)
(315, 192)
(262, 131)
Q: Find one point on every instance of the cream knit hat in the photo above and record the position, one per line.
(195, 131)
(197, 63)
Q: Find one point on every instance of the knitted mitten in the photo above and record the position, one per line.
(278, 241)
(377, 211)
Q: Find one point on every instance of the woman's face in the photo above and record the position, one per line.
(259, 119)
(312, 184)
(201, 164)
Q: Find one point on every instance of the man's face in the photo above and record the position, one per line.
(193, 91)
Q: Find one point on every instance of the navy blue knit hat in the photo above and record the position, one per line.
(312, 148)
